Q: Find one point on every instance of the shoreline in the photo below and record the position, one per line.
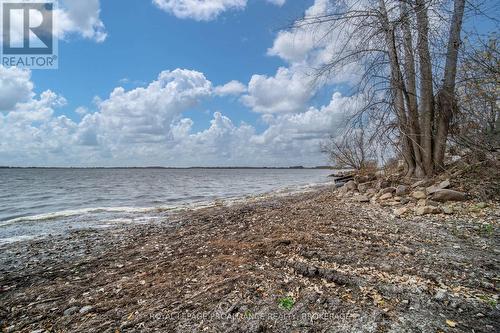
(303, 262)
(164, 210)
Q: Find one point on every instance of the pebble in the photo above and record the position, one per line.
(9, 329)
(70, 311)
(86, 309)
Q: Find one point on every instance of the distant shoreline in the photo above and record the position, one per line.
(182, 168)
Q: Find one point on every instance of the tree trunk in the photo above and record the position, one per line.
(411, 88)
(446, 102)
(397, 88)
(426, 88)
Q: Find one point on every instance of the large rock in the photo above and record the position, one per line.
(362, 198)
(444, 184)
(362, 188)
(419, 195)
(386, 196)
(422, 183)
(431, 189)
(444, 195)
(387, 190)
(427, 210)
(351, 185)
(401, 190)
(382, 183)
(400, 211)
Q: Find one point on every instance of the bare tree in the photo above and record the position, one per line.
(350, 150)
(392, 42)
(477, 125)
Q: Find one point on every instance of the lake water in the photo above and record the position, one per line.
(38, 202)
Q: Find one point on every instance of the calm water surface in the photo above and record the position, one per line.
(38, 202)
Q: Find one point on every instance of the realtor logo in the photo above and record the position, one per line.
(28, 34)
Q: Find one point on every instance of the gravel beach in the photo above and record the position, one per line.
(310, 262)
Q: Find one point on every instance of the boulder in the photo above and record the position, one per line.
(422, 202)
(444, 195)
(427, 210)
(401, 190)
(387, 190)
(448, 210)
(404, 200)
(422, 183)
(362, 198)
(386, 196)
(362, 188)
(419, 195)
(400, 211)
(444, 184)
(382, 183)
(431, 189)
(351, 185)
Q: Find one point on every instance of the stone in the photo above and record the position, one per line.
(400, 211)
(421, 183)
(371, 192)
(397, 198)
(419, 195)
(386, 196)
(362, 188)
(440, 295)
(401, 190)
(9, 329)
(431, 189)
(70, 311)
(427, 210)
(444, 195)
(448, 210)
(422, 202)
(351, 185)
(404, 200)
(382, 183)
(86, 309)
(38, 331)
(387, 190)
(482, 205)
(444, 184)
(362, 198)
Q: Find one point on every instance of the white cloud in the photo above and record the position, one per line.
(231, 88)
(147, 126)
(286, 92)
(15, 87)
(73, 17)
(277, 2)
(204, 10)
(200, 10)
(80, 17)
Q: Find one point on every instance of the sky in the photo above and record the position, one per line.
(177, 83)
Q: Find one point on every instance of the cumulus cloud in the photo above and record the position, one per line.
(80, 17)
(147, 126)
(286, 92)
(71, 17)
(200, 10)
(15, 87)
(204, 10)
(231, 88)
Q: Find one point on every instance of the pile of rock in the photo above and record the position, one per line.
(422, 197)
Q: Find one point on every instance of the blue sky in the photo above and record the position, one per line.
(177, 83)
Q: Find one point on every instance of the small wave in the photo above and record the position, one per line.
(76, 212)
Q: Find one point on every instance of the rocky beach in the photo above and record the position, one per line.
(371, 256)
